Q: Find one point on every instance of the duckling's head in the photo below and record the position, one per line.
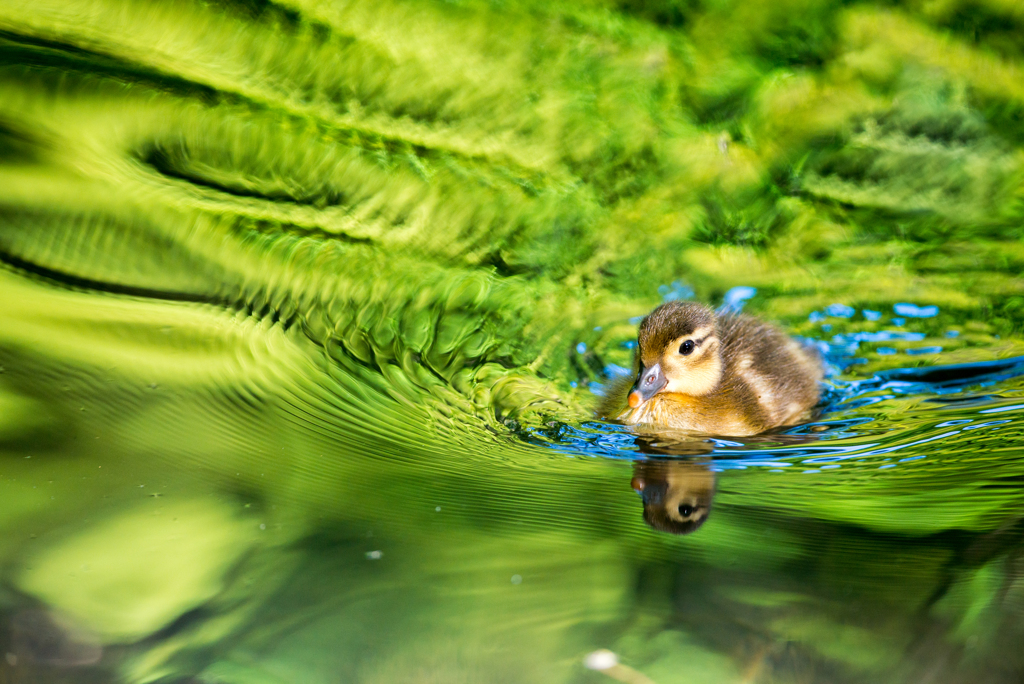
(678, 350)
(676, 493)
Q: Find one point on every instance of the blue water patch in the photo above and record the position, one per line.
(914, 311)
(879, 336)
(899, 321)
(613, 370)
(840, 310)
(924, 350)
(675, 291)
(1003, 409)
(952, 333)
(885, 351)
(870, 315)
(581, 348)
(736, 297)
(988, 424)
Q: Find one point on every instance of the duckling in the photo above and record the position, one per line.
(676, 493)
(720, 374)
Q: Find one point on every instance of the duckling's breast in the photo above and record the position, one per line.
(707, 414)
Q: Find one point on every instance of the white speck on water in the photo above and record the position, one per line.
(600, 660)
(374, 555)
(263, 526)
(517, 579)
(437, 509)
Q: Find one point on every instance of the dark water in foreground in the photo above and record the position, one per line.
(156, 533)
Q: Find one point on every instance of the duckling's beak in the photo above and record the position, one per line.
(648, 383)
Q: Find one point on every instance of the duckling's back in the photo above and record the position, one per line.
(772, 377)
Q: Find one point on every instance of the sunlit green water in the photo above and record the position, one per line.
(305, 308)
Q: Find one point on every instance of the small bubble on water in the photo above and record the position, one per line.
(437, 509)
(374, 555)
(600, 660)
(263, 526)
(517, 579)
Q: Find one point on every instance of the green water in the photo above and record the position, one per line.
(305, 309)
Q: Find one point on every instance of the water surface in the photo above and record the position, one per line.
(305, 309)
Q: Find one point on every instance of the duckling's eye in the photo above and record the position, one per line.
(686, 348)
(685, 510)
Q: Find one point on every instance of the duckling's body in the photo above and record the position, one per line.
(719, 374)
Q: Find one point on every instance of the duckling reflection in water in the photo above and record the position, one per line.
(676, 493)
(728, 375)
